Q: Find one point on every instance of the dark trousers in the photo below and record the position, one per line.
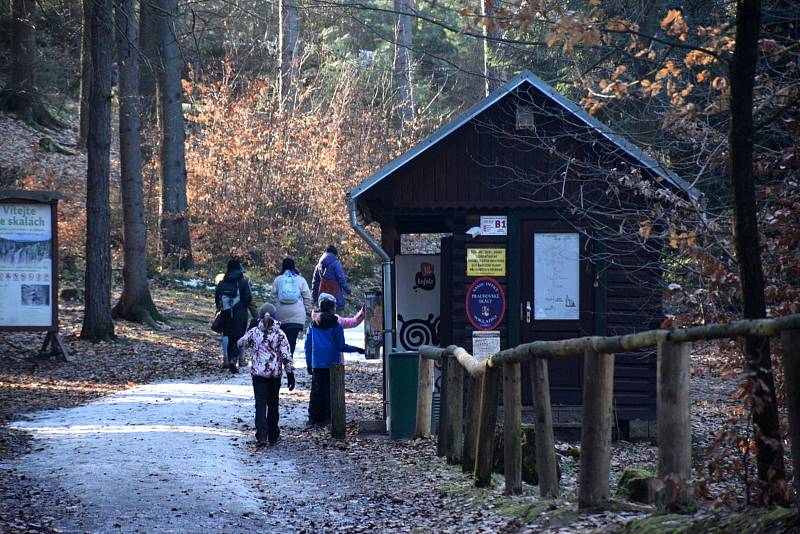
(233, 349)
(291, 330)
(319, 405)
(266, 394)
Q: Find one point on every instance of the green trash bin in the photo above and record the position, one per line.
(403, 376)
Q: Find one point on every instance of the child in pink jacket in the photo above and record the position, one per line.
(271, 357)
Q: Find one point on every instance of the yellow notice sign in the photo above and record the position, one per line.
(486, 262)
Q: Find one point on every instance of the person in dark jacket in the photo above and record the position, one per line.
(329, 278)
(324, 346)
(233, 297)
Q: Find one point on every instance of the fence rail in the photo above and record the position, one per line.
(467, 436)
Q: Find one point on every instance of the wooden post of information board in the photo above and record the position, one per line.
(27, 283)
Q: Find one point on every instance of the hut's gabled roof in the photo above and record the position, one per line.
(526, 77)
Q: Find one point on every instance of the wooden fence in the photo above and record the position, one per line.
(466, 429)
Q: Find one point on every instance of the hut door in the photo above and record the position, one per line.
(556, 298)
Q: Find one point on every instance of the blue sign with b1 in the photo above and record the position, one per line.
(485, 303)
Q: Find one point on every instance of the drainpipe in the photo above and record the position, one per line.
(388, 323)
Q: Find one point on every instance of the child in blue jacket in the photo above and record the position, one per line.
(324, 346)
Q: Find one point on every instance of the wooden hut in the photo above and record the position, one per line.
(529, 190)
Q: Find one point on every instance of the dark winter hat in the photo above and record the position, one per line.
(234, 265)
(332, 250)
(287, 265)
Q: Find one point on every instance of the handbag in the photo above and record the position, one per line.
(329, 286)
(216, 324)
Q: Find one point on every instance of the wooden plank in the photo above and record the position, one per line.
(567, 348)
(455, 410)
(546, 462)
(424, 398)
(337, 401)
(442, 445)
(468, 456)
(790, 343)
(674, 424)
(486, 424)
(512, 428)
(598, 383)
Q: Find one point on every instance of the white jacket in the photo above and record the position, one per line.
(296, 312)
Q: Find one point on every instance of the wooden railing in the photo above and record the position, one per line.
(466, 430)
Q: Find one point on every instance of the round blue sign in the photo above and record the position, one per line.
(485, 303)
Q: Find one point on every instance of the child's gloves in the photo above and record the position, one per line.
(360, 350)
(290, 381)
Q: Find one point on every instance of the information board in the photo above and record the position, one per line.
(484, 344)
(26, 264)
(494, 225)
(486, 262)
(556, 276)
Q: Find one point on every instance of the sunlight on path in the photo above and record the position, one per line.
(171, 456)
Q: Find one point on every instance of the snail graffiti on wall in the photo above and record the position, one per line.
(418, 310)
(417, 332)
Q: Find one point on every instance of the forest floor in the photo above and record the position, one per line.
(148, 434)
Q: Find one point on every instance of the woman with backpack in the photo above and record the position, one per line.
(329, 278)
(233, 298)
(292, 299)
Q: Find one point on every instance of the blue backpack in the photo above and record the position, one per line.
(289, 290)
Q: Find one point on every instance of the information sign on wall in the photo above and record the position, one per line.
(26, 264)
(484, 344)
(556, 276)
(485, 303)
(486, 262)
(494, 225)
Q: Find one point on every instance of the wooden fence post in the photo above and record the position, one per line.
(546, 463)
(455, 410)
(598, 388)
(424, 398)
(790, 343)
(512, 427)
(487, 421)
(337, 401)
(674, 423)
(442, 445)
(471, 423)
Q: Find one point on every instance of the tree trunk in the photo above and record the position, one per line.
(20, 96)
(174, 213)
(135, 303)
(769, 455)
(287, 58)
(148, 46)
(86, 70)
(493, 75)
(97, 323)
(404, 61)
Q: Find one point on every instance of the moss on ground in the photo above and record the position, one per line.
(771, 521)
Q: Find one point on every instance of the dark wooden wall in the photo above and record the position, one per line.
(488, 167)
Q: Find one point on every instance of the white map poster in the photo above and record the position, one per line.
(556, 276)
(26, 265)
